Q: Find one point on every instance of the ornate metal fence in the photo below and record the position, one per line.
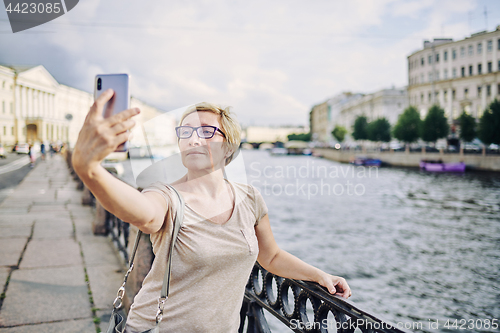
(288, 301)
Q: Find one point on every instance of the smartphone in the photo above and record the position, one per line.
(120, 100)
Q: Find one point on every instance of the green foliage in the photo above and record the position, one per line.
(434, 126)
(339, 133)
(379, 130)
(489, 124)
(300, 136)
(360, 128)
(407, 128)
(467, 127)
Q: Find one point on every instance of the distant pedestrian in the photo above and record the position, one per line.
(42, 150)
(32, 156)
(52, 149)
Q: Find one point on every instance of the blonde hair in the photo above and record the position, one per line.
(228, 124)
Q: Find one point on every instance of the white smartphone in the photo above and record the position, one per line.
(120, 100)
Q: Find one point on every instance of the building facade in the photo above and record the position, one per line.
(270, 134)
(343, 109)
(35, 108)
(459, 75)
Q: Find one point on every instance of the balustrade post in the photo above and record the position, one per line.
(99, 226)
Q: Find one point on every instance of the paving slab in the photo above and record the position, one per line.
(104, 283)
(83, 228)
(46, 294)
(4, 273)
(98, 250)
(67, 326)
(13, 231)
(61, 228)
(47, 208)
(50, 253)
(16, 220)
(13, 210)
(11, 249)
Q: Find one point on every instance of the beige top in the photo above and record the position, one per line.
(211, 264)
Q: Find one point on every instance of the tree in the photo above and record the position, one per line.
(467, 127)
(379, 130)
(435, 125)
(299, 137)
(360, 128)
(407, 128)
(339, 133)
(489, 124)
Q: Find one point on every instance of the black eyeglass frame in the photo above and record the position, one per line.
(195, 129)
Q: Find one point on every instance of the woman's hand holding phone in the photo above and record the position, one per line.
(101, 136)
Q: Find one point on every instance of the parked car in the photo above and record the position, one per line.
(23, 148)
(493, 147)
(2, 151)
(472, 147)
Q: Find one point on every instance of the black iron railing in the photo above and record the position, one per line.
(288, 300)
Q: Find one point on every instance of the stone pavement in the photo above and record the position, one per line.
(55, 275)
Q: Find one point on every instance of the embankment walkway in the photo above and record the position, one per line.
(55, 275)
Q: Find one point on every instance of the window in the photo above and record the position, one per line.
(466, 92)
(488, 90)
(462, 50)
(454, 72)
(479, 48)
(437, 57)
(479, 88)
(3, 106)
(498, 44)
(437, 75)
(430, 59)
(12, 130)
(489, 45)
(479, 69)
(463, 71)
(498, 89)
(422, 97)
(430, 77)
(470, 70)
(445, 74)
(445, 55)
(490, 67)
(445, 95)
(471, 50)
(453, 94)
(498, 65)
(5, 130)
(422, 62)
(453, 54)
(430, 97)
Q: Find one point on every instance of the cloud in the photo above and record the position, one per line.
(271, 60)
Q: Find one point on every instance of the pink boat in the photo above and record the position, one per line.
(439, 166)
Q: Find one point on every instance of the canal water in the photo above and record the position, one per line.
(416, 248)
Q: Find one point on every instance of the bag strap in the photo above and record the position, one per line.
(166, 278)
(179, 216)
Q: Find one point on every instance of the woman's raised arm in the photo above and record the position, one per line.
(97, 139)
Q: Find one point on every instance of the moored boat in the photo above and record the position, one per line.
(365, 161)
(440, 166)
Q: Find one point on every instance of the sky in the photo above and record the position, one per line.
(272, 61)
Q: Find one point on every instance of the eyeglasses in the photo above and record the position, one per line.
(204, 132)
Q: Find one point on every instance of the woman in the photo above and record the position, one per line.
(225, 227)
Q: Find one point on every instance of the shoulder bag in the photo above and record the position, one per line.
(117, 322)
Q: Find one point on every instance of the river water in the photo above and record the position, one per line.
(416, 248)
